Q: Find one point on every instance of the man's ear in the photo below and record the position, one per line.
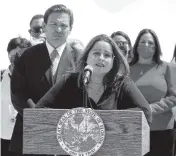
(70, 31)
(44, 27)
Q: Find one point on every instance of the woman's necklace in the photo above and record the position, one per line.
(144, 68)
(141, 73)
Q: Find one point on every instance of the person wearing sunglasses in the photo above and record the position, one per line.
(36, 31)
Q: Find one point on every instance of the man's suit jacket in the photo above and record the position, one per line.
(31, 79)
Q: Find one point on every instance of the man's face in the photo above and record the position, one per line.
(57, 28)
(36, 30)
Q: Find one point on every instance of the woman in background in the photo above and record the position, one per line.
(15, 48)
(174, 109)
(123, 42)
(109, 87)
(154, 80)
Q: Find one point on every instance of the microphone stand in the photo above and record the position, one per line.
(85, 96)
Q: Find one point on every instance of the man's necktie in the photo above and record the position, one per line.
(54, 60)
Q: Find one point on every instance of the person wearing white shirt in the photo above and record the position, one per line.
(8, 113)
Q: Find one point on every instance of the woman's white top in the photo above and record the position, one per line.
(8, 113)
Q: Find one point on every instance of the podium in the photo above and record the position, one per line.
(126, 132)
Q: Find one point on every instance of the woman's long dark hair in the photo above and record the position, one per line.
(174, 55)
(158, 53)
(120, 67)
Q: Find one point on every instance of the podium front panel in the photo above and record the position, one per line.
(126, 132)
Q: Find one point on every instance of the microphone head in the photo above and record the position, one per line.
(88, 68)
(87, 74)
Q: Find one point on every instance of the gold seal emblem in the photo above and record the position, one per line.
(80, 132)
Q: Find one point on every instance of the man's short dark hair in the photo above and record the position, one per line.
(59, 8)
(38, 16)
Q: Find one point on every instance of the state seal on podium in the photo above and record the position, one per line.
(80, 132)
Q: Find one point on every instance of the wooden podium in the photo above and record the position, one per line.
(126, 132)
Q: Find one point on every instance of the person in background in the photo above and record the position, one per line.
(124, 43)
(173, 61)
(156, 82)
(109, 87)
(41, 66)
(36, 31)
(15, 47)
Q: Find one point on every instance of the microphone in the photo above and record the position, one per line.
(87, 74)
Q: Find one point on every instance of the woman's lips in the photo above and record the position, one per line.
(99, 65)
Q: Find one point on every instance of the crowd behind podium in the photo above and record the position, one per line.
(49, 66)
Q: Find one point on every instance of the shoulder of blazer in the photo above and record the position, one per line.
(68, 48)
(75, 52)
(70, 51)
(34, 51)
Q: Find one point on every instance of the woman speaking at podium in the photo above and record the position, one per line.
(102, 73)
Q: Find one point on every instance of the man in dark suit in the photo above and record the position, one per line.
(41, 66)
